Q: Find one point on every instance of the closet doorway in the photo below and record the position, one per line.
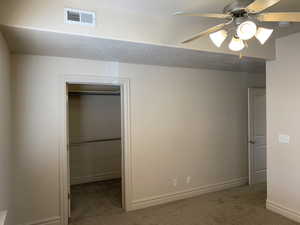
(94, 151)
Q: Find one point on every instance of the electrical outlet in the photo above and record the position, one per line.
(175, 182)
(284, 139)
(188, 179)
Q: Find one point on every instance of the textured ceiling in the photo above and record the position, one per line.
(26, 41)
(167, 7)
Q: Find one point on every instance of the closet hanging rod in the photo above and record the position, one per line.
(95, 141)
(109, 93)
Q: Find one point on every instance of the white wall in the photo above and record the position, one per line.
(184, 122)
(5, 126)
(36, 131)
(283, 110)
(94, 117)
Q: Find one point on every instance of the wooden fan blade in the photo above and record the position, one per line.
(210, 30)
(261, 5)
(279, 17)
(208, 15)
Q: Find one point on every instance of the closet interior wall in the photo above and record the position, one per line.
(95, 136)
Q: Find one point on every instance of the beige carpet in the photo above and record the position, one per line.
(99, 204)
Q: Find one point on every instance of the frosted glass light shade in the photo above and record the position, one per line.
(246, 30)
(236, 44)
(218, 37)
(263, 34)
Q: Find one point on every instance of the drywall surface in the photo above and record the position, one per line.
(94, 117)
(125, 24)
(185, 122)
(283, 109)
(5, 126)
(46, 43)
(36, 131)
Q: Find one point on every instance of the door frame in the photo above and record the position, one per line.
(251, 134)
(124, 84)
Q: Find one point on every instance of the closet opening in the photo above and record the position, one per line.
(95, 165)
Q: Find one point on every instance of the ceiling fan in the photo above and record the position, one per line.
(243, 19)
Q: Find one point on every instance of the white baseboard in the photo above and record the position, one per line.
(284, 211)
(260, 176)
(49, 221)
(95, 177)
(162, 199)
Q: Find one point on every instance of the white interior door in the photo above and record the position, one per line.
(257, 136)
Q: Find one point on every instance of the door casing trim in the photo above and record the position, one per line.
(124, 84)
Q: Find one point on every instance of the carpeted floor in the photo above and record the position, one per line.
(100, 204)
(96, 199)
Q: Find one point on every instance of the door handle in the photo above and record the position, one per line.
(252, 142)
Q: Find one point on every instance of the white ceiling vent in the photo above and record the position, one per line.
(75, 16)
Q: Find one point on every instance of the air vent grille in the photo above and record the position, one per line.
(75, 16)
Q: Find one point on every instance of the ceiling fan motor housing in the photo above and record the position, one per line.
(237, 8)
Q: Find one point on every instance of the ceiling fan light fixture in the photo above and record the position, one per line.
(246, 30)
(244, 17)
(263, 34)
(218, 37)
(236, 44)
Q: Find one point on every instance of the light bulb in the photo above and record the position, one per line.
(218, 37)
(246, 30)
(263, 34)
(236, 44)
